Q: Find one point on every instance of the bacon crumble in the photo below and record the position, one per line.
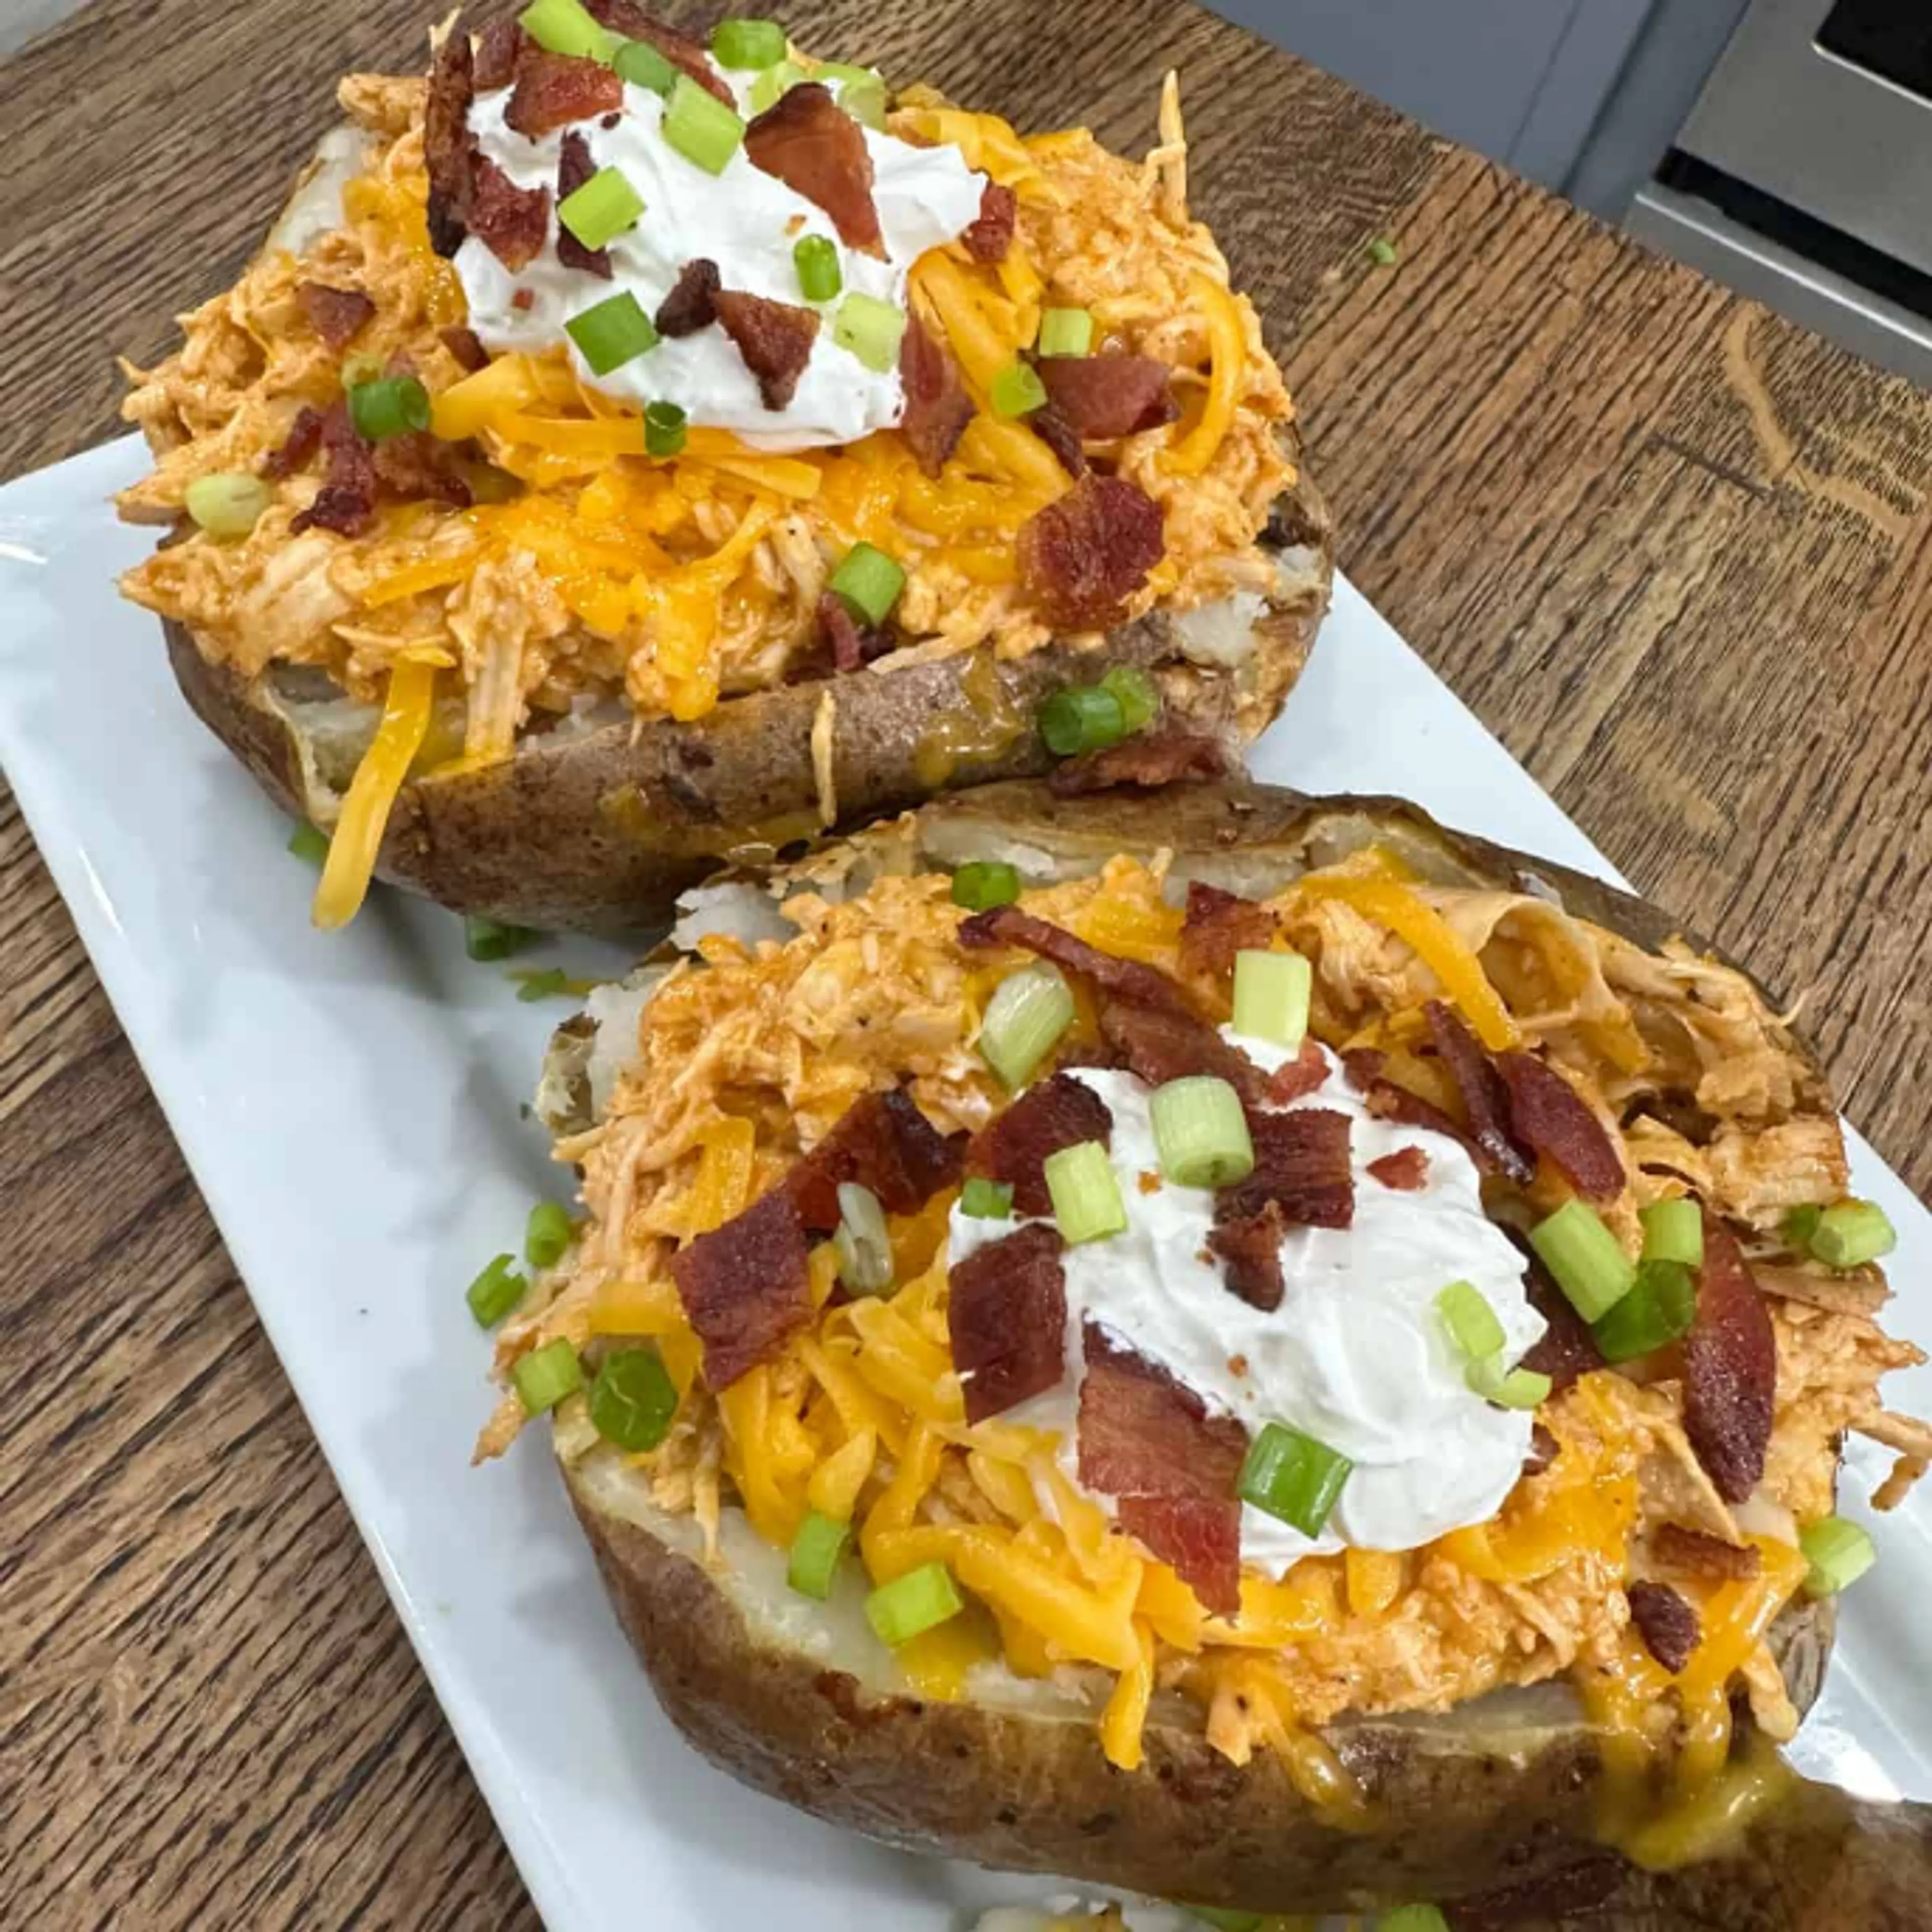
(1128, 979)
(415, 465)
(1217, 925)
(1148, 761)
(1082, 557)
(692, 303)
(937, 406)
(1667, 1624)
(1061, 436)
(774, 337)
(1106, 397)
(1301, 1163)
(1694, 1552)
(1730, 1369)
(1012, 1146)
(1406, 1171)
(466, 345)
(1302, 1075)
(1548, 1115)
(883, 1142)
(1160, 1045)
(806, 140)
(853, 645)
(511, 222)
(687, 55)
(303, 440)
(1249, 1246)
(553, 90)
(346, 500)
(1005, 1314)
(338, 316)
(449, 149)
(990, 234)
(573, 168)
(499, 47)
(746, 1288)
(1486, 1098)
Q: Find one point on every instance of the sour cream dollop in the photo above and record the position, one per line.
(1356, 1355)
(747, 222)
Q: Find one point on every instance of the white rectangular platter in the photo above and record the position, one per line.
(349, 1106)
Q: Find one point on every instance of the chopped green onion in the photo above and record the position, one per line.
(633, 1399)
(815, 1552)
(548, 1233)
(775, 81)
(1413, 1919)
(1472, 1322)
(870, 581)
(1030, 1009)
(984, 1200)
(565, 27)
(1839, 1553)
(1202, 1132)
(664, 429)
(1292, 1477)
(1798, 1226)
(1224, 1921)
(642, 65)
(910, 1605)
(1591, 1268)
(1673, 1231)
(1507, 1387)
(495, 1291)
(608, 334)
(1087, 1202)
(1017, 390)
(1088, 718)
(1659, 1309)
(864, 99)
(390, 405)
(227, 504)
(486, 939)
(1271, 995)
(748, 43)
(1138, 699)
(309, 844)
(554, 983)
(602, 208)
(703, 130)
(816, 260)
(826, 72)
(870, 329)
(863, 1243)
(985, 884)
(1065, 332)
(1852, 1234)
(546, 1376)
(1382, 252)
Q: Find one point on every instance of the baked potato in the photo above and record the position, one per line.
(631, 622)
(1573, 1571)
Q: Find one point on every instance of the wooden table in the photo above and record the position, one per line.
(1674, 551)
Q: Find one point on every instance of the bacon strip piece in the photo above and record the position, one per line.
(1082, 557)
(573, 168)
(303, 440)
(854, 644)
(1301, 1163)
(774, 337)
(626, 17)
(553, 90)
(1061, 436)
(1149, 1440)
(991, 233)
(346, 500)
(511, 222)
(1406, 1171)
(937, 407)
(1302, 1075)
(1161, 1046)
(1486, 1098)
(1566, 1348)
(499, 47)
(1128, 979)
(466, 345)
(1218, 925)
(1730, 1369)
(692, 303)
(1006, 1313)
(1547, 1113)
(806, 140)
(337, 315)
(745, 1288)
(1666, 1623)
(1250, 1246)
(449, 149)
(1696, 1553)
(1103, 397)
(1149, 760)
(1012, 1146)
(883, 1142)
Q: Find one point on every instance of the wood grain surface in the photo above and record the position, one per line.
(1675, 552)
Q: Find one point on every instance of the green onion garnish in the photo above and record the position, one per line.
(1271, 995)
(309, 844)
(1382, 252)
(664, 429)
(552, 983)
(817, 260)
(1017, 390)
(870, 329)
(985, 884)
(548, 1233)
(1086, 718)
(227, 504)
(1472, 1324)
(1583, 1255)
(1087, 1202)
(827, 72)
(870, 581)
(1673, 1231)
(1201, 1132)
(602, 208)
(1507, 1387)
(1852, 1234)
(1798, 1226)
(546, 1376)
(864, 99)
(495, 1291)
(815, 1552)
(1224, 1921)
(1656, 1312)
(1413, 1919)
(985, 1200)
(642, 65)
(1065, 332)
(390, 405)
(633, 1399)
(1138, 699)
(863, 1243)
(703, 130)
(1292, 1477)
(909, 1606)
(564, 27)
(1030, 1009)
(608, 334)
(748, 43)
(1839, 1553)
(768, 87)
(486, 939)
